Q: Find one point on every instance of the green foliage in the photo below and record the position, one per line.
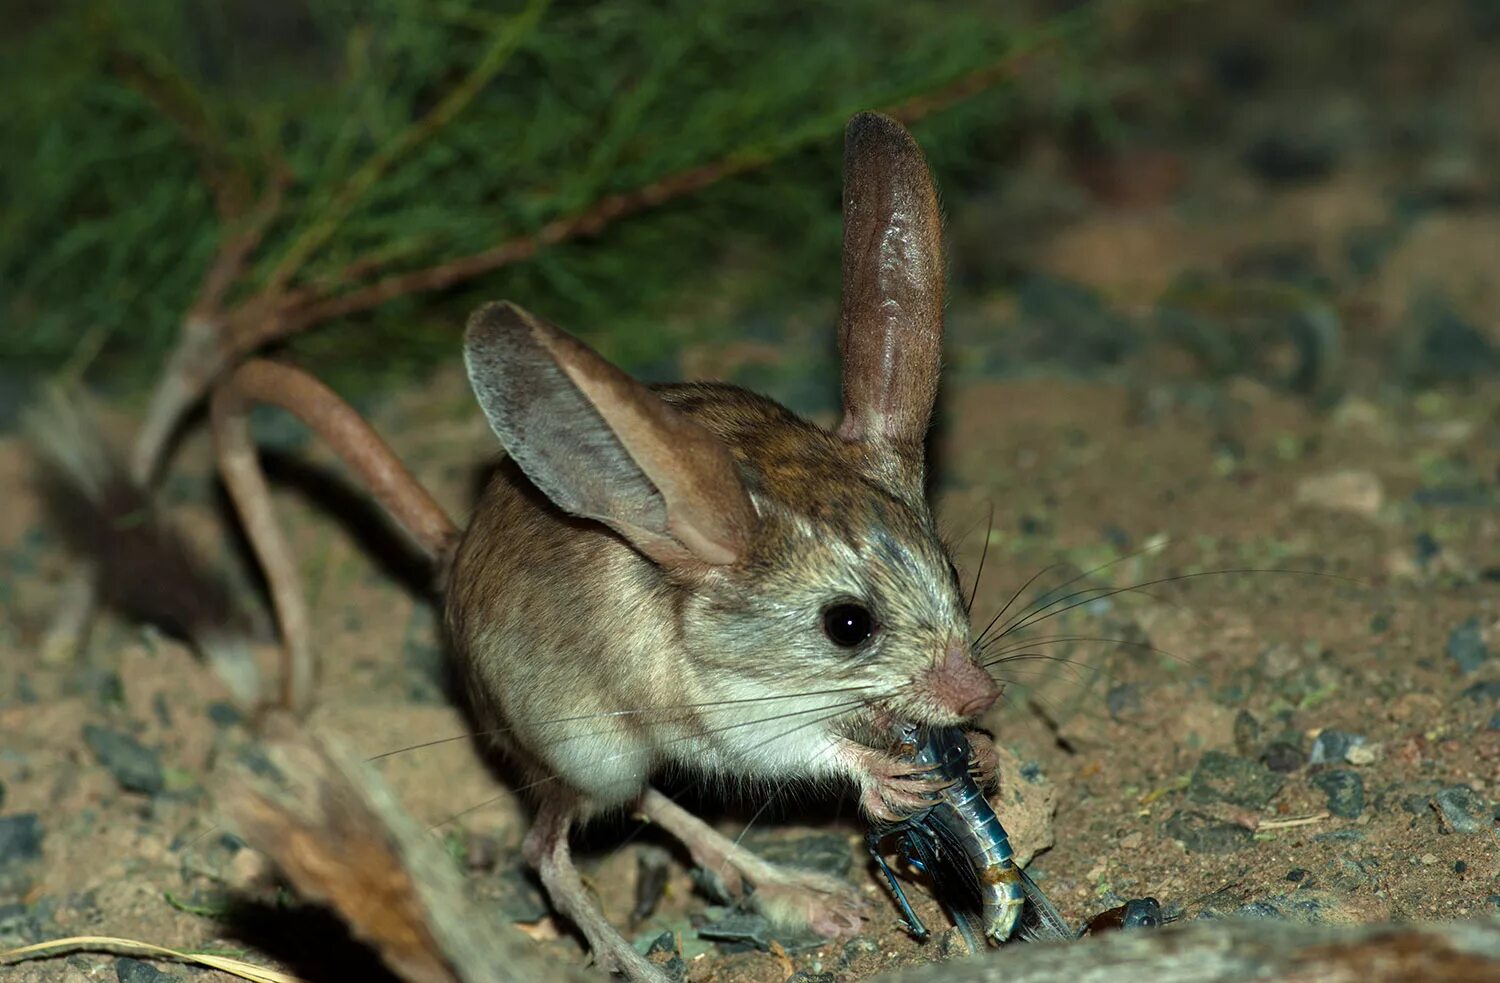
(123, 120)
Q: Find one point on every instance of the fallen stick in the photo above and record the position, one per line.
(1234, 950)
(336, 832)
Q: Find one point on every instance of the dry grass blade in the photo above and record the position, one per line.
(337, 833)
(108, 943)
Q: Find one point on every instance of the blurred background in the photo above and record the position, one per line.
(1303, 193)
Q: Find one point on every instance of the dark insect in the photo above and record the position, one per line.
(1042, 922)
(959, 840)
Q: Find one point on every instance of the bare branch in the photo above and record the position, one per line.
(155, 78)
(369, 174)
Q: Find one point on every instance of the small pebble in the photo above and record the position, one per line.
(136, 767)
(662, 953)
(1282, 758)
(1288, 158)
(1346, 874)
(129, 970)
(1428, 859)
(1297, 874)
(1123, 700)
(856, 950)
(1425, 548)
(1466, 646)
(1354, 492)
(1460, 867)
(1333, 746)
(223, 714)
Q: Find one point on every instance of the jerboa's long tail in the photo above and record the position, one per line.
(147, 568)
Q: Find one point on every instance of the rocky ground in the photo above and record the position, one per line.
(1247, 359)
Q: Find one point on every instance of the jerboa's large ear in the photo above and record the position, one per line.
(601, 445)
(891, 310)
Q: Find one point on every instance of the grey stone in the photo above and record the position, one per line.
(22, 924)
(1123, 700)
(1069, 324)
(1480, 692)
(856, 949)
(517, 896)
(747, 929)
(1290, 157)
(1204, 834)
(1260, 909)
(1348, 874)
(1445, 346)
(1340, 836)
(1345, 791)
(223, 714)
(1466, 646)
(1464, 810)
(1306, 906)
(20, 839)
(137, 768)
(1222, 777)
(129, 970)
(827, 853)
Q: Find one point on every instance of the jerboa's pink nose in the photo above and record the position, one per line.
(961, 685)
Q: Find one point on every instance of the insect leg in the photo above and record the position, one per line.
(914, 923)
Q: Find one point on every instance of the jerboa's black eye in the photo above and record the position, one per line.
(848, 624)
